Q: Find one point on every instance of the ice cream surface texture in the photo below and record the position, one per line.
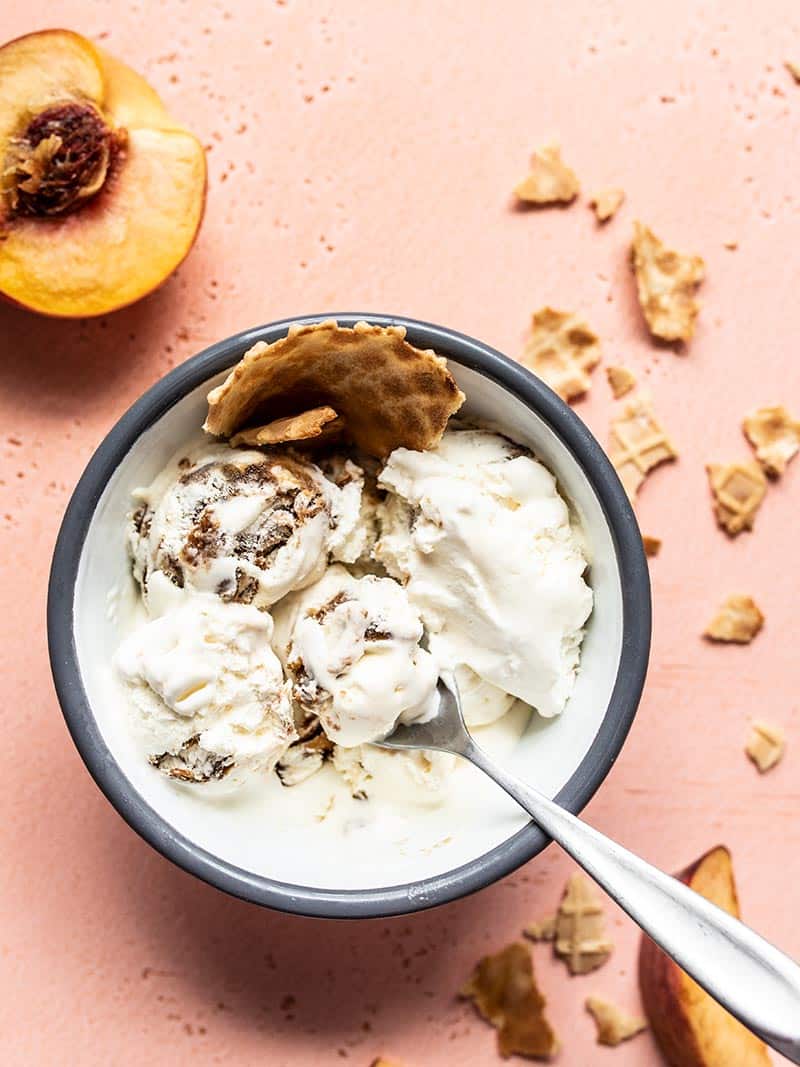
(299, 608)
(479, 535)
(352, 647)
(245, 525)
(209, 691)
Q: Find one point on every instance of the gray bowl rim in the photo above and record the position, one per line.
(348, 903)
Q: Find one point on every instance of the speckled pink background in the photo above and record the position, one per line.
(361, 157)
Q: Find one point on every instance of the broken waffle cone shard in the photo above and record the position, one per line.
(504, 991)
(666, 282)
(581, 939)
(621, 380)
(738, 620)
(545, 930)
(561, 350)
(638, 443)
(309, 424)
(606, 203)
(775, 436)
(550, 180)
(738, 490)
(613, 1025)
(652, 545)
(765, 745)
(389, 393)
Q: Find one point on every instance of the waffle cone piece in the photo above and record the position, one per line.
(322, 424)
(738, 490)
(638, 444)
(388, 393)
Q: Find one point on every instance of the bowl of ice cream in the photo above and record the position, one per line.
(235, 614)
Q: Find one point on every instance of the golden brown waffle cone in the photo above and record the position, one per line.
(389, 393)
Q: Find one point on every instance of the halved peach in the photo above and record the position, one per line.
(101, 191)
(691, 1029)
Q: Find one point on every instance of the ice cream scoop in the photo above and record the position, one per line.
(352, 648)
(245, 525)
(477, 531)
(208, 692)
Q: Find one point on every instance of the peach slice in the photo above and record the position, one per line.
(101, 191)
(690, 1027)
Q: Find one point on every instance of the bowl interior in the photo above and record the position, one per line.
(268, 834)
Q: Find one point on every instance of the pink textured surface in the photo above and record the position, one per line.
(361, 157)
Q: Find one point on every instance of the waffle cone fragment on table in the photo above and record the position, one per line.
(638, 444)
(621, 381)
(550, 180)
(765, 745)
(388, 393)
(561, 350)
(613, 1025)
(581, 939)
(738, 490)
(775, 436)
(606, 203)
(666, 282)
(504, 991)
(652, 545)
(737, 620)
(577, 930)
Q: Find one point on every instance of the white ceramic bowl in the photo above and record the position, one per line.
(567, 757)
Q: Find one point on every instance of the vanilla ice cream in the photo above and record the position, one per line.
(208, 691)
(352, 648)
(419, 777)
(482, 540)
(246, 525)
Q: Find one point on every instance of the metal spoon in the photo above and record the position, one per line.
(755, 981)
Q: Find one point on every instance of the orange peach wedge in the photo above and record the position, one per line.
(691, 1029)
(101, 192)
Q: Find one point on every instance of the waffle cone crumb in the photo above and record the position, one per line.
(542, 931)
(550, 180)
(794, 70)
(607, 203)
(765, 745)
(621, 380)
(561, 350)
(613, 1025)
(652, 545)
(738, 620)
(504, 991)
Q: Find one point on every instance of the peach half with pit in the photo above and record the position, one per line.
(101, 191)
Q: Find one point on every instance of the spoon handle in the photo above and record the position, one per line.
(755, 981)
